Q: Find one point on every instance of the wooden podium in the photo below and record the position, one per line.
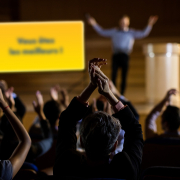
(162, 71)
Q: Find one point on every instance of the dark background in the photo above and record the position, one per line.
(106, 12)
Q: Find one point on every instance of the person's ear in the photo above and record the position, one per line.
(115, 146)
(81, 142)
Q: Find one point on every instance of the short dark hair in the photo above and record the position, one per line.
(172, 116)
(52, 111)
(99, 132)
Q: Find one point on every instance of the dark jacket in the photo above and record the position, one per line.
(69, 162)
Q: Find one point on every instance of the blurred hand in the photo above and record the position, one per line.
(38, 106)
(102, 83)
(95, 64)
(91, 21)
(169, 94)
(152, 20)
(1, 98)
(65, 98)
(9, 97)
(54, 92)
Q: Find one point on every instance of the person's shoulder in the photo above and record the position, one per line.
(132, 30)
(122, 161)
(114, 29)
(6, 170)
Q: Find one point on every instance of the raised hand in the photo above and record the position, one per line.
(169, 94)
(95, 65)
(102, 82)
(38, 106)
(65, 98)
(1, 98)
(152, 20)
(54, 92)
(9, 97)
(91, 21)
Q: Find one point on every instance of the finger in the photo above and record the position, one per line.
(96, 60)
(103, 62)
(100, 85)
(101, 74)
(64, 91)
(34, 104)
(39, 97)
(52, 90)
(11, 89)
(57, 87)
(172, 91)
(104, 80)
(91, 72)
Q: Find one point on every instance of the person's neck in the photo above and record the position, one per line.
(124, 28)
(93, 163)
(172, 132)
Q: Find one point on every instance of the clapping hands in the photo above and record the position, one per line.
(97, 77)
(94, 66)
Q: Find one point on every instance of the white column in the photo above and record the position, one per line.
(162, 71)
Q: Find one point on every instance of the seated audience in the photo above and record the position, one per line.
(52, 110)
(10, 167)
(170, 118)
(41, 147)
(13, 99)
(99, 133)
(10, 140)
(8, 136)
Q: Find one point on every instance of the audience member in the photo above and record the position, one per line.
(41, 147)
(52, 110)
(10, 167)
(170, 119)
(99, 133)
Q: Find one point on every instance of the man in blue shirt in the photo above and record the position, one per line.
(122, 43)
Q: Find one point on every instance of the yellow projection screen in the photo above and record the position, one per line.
(42, 46)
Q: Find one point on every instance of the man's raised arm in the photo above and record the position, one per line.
(99, 29)
(144, 33)
(150, 122)
(77, 109)
(133, 143)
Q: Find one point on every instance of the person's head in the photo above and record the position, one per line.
(124, 22)
(99, 133)
(171, 119)
(52, 111)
